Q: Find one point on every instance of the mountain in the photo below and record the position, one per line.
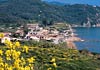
(56, 3)
(24, 11)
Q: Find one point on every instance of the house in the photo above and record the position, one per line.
(20, 32)
(35, 38)
(55, 31)
(33, 26)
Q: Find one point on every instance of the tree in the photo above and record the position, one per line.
(51, 22)
(44, 23)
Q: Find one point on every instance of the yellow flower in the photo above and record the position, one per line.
(49, 68)
(16, 65)
(8, 43)
(1, 52)
(54, 64)
(1, 68)
(25, 48)
(15, 54)
(8, 58)
(10, 68)
(17, 44)
(18, 53)
(1, 64)
(31, 60)
(17, 61)
(23, 62)
(1, 35)
(1, 60)
(21, 68)
(27, 68)
(8, 53)
(6, 65)
(53, 60)
(30, 65)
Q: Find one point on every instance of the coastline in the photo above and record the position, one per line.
(70, 42)
(73, 38)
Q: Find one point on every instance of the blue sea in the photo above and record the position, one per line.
(91, 36)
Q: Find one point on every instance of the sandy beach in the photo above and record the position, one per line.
(70, 42)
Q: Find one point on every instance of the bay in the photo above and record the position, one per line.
(91, 36)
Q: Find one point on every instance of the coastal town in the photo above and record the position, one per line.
(37, 33)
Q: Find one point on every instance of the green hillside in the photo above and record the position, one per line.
(23, 11)
(45, 56)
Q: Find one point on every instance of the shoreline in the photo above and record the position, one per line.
(70, 42)
(73, 38)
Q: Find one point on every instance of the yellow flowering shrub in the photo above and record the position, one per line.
(12, 58)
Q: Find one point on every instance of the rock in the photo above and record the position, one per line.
(71, 45)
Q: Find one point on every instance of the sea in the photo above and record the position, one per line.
(91, 37)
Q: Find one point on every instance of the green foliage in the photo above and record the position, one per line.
(22, 11)
(16, 35)
(66, 59)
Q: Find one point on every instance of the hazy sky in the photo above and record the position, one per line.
(91, 2)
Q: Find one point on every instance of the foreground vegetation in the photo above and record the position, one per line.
(45, 56)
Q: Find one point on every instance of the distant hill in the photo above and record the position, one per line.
(56, 3)
(22, 11)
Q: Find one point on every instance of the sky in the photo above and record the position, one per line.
(90, 2)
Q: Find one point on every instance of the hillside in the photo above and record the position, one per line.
(32, 55)
(23, 11)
